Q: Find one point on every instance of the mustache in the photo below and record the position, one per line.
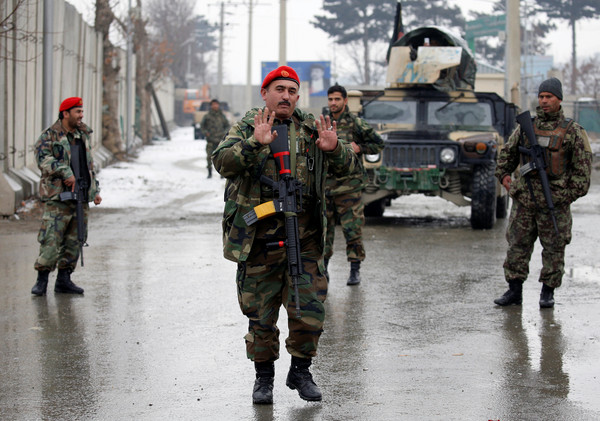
(284, 103)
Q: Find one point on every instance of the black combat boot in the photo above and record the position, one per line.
(547, 297)
(514, 295)
(41, 284)
(64, 283)
(326, 270)
(263, 385)
(209, 172)
(299, 378)
(354, 278)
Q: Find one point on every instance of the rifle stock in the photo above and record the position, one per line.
(288, 201)
(537, 162)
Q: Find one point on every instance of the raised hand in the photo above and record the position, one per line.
(327, 140)
(263, 123)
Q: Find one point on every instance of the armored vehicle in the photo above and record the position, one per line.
(441, 137)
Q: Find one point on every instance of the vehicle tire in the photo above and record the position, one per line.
(502, 207)
(376, 208)
(483, 197)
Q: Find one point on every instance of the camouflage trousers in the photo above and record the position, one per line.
(58, 236)
(349, 210)
(524, 227)
(264, 285)
(210, 147)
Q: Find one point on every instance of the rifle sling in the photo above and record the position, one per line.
(293, 148)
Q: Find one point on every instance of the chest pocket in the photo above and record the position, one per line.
(556, 153)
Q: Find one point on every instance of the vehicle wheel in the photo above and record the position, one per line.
(375, 208)
(483, 197)
(502, 207)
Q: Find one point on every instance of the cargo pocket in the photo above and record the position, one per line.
(246, 289)
(44, 232)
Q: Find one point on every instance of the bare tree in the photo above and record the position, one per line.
(588, 76)
(111, 134)
(184, 36)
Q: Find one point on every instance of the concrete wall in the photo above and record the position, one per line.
(77, 71)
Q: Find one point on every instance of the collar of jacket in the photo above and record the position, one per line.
(545, 117)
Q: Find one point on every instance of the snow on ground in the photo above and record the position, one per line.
(173, 170)
(164, 171)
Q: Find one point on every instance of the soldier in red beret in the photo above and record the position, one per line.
(263, 280)
(60, 150)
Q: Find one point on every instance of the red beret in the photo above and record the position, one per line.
(282, 72)
(69, 103)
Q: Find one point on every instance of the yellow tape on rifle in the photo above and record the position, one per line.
(264, 210)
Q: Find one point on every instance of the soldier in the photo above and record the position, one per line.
(58, 235)
(263, 280)
(344, 194)
(568, 157)
(214, 126)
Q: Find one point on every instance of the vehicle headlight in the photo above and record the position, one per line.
(372, 158)
(447, 155)
(384, 136)
(197, 125)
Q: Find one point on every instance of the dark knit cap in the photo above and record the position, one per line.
(553, 86)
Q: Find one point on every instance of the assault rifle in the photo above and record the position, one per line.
(78, 194)
(289, 201)
(537, 162)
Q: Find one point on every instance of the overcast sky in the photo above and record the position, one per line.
(306, 43)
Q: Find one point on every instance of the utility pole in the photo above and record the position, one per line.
(220, 54)
(47, 100)
(128, 83)
(513, 51)
(249, 62)
(282, 33)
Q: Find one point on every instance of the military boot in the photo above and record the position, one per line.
(209, 172)
(262, 394)
(547, 297)
(326, 270)
(41, 284)
(514, 295)
(64, 284)
(299, 378)
(354, 278)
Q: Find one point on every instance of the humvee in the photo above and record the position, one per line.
(441, 137)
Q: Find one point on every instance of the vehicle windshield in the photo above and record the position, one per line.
(391, 112)
(440, 113)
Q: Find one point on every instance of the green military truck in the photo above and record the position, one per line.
(441, 137)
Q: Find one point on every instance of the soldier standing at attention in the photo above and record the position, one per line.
(214, 126)
(568, 158)
(263, 281)
(344, 194)
(58, 234)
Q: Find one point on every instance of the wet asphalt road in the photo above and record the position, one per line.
(158, 333)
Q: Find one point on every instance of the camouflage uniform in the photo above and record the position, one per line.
(214, 125)
(529, 218)
(263, 280)
(344, 194)
(58, 233)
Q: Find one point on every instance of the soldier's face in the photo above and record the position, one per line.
(281, 96)
(336, 102)
(548, 102)
(74, 117)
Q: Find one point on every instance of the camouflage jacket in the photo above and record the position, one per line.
(351, 128)
(242, 160)
(53, 155)
(566, 188)
(214, 125)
